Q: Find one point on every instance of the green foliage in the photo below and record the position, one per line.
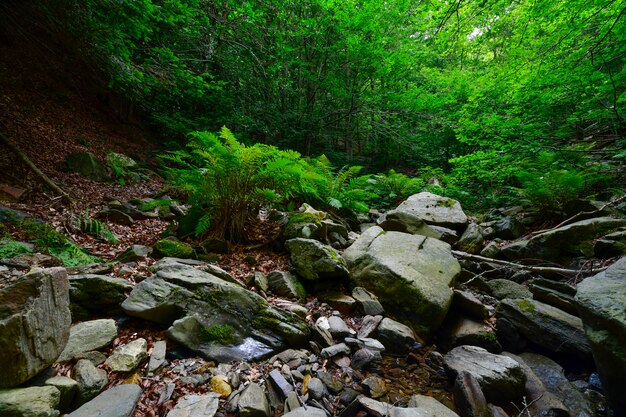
(93, 227)
(549, 184)
(230, 182)
(10, 248)
(56, 244)
(394, 187)
(125, 169)
(174, 249)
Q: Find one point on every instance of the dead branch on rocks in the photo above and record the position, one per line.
(580, 215)
(536, 269)
(34, 168)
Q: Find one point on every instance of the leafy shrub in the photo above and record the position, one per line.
(549, 184)
(10, 248)
(341, 191)
(230, 182)
(394, 187)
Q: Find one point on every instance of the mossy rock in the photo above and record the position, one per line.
(87, 165)
(174, 249)
(305, 225)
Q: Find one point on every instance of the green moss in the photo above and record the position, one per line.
(525, 305)
(151, 205)
(489, 336)
(174, 248)
(218, 334)
(445, 203)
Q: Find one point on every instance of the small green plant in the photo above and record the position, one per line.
(56, 244)
(10, 248)
(124, 168)
(93, 227)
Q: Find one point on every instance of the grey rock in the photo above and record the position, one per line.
(334, 350)
(34, 324)
(157, 358)
(491, 250)
(575, 239)
(467, 303)
(410, 274)
(316, 389)
(119, 401)
(68, 389)
(458, 330)
(503, 288)
(306, 412)
(375, 385)
(30, 402)
(471, 240)
(128, 357)
(509, 337)
(316, 261)
(553, 378)
(115, 216)
(368, 302)
(93, 356)
(249, 327)
(253, 402)
(134, 253)
(428, 406)
(259, 280)
(90, 380)
(333, 383)
(446, 235)
(541, 401)
(91, 294)
(547, 326)
(395, 336)
(434, 210)
(557, 294)
(508, 228)
(291, 402)
(366, 359)
(196, 406)
(286, 285)
(88, 336)
(406, 222)
(501, 378)
(601, 301)
(369, 326)
(338, 328)
(469, 397)
(280, 383)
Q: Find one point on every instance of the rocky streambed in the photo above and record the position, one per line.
(384, 322)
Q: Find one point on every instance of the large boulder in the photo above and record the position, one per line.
(221, 320)
(87, 165)
(575, 239)
(316, 261)
(547, 326)
(96, 294)
(601, 300)
(411, 275)
(34, 324)
(30, 402)
(430, 208)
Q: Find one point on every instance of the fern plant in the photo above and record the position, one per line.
(125, 169)
(229, 182)
(93, 227)
(394, 187)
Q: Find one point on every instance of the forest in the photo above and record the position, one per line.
(491, 100)
(312, 208)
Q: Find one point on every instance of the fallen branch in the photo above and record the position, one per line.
(530, 268)
(579, 215)
(34, 168)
